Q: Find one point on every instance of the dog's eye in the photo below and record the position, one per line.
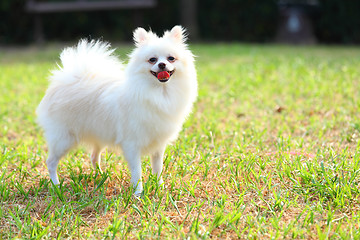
(153, 60)
(171, 59)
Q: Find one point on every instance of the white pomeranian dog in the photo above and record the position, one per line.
(140, 107)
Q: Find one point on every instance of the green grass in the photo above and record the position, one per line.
(270, 151)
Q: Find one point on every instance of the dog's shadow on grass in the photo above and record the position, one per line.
(86, 186)
(87, 193)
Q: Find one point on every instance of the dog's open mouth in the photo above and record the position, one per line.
(163, 76)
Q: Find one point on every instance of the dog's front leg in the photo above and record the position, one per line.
(133, 157)
(157, 164)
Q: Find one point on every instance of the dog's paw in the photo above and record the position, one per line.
(138, 190)
(161, 181)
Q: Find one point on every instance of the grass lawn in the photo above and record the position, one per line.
(270, 151)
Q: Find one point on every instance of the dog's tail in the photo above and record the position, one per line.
(86, 60)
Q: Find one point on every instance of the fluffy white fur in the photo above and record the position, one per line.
(95, 98)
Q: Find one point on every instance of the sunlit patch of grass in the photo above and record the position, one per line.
(270, 151)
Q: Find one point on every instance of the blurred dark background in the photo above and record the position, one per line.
(261, 21)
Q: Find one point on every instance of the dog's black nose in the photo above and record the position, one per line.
(162, 65)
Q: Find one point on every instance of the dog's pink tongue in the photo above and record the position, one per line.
(163, 75)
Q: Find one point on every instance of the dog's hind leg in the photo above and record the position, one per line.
(58, 147)
(52, 163)
(95, 158)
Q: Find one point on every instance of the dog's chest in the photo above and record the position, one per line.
(154, 128)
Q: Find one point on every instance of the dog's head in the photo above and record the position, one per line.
(160, 58)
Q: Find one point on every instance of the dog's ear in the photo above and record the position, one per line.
(177, 33)
(141, 36)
